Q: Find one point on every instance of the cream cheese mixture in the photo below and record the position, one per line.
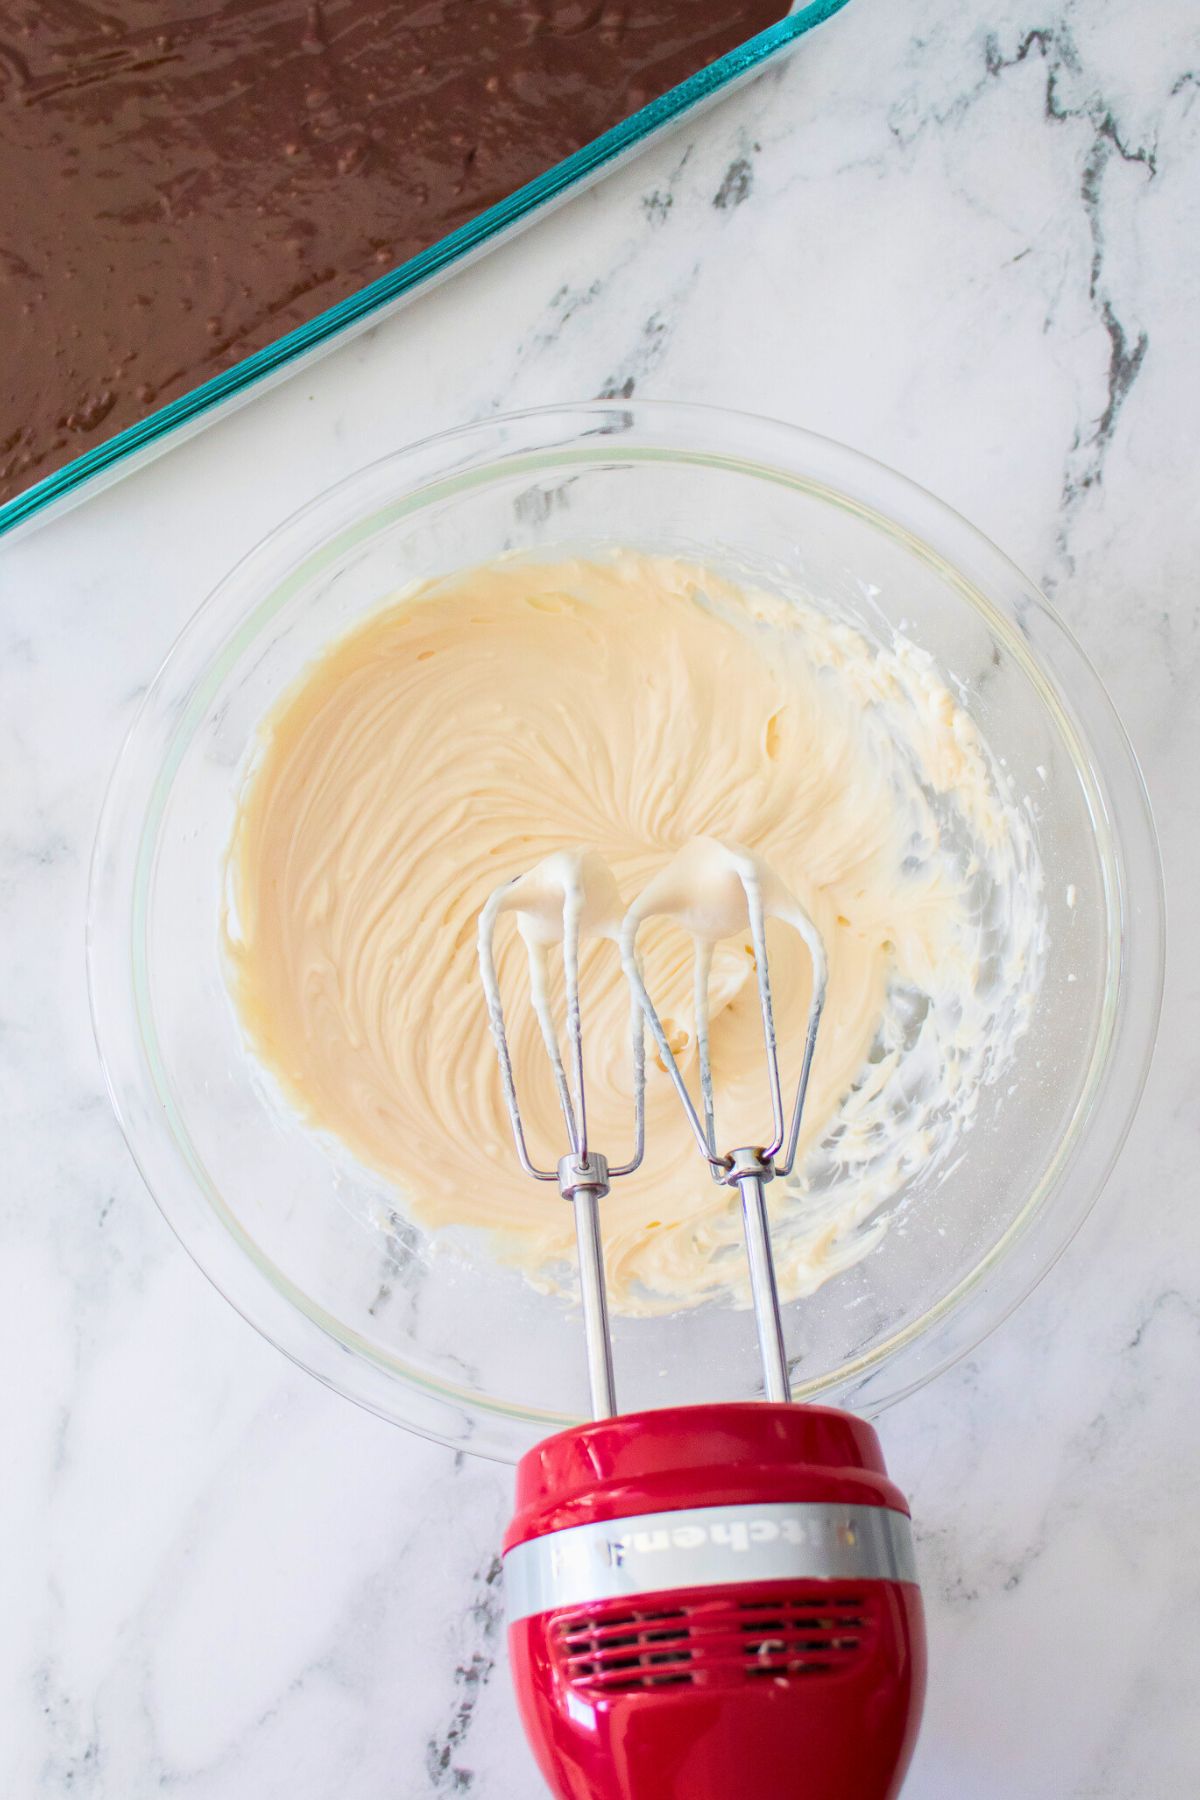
(623, 707)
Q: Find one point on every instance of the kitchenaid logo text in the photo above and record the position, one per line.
(738, 1535)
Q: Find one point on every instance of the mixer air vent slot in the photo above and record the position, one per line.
(624, 1650)
(711, 1641)
(802, 1637)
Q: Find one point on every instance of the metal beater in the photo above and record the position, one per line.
(583, 1175)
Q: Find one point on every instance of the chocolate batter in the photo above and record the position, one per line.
(179, 188)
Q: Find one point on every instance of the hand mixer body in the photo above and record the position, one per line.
(713, 1601)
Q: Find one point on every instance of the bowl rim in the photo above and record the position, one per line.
(412, 477)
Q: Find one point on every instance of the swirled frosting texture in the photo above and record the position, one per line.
(626, 706)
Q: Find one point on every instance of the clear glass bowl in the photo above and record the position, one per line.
(306, 1244)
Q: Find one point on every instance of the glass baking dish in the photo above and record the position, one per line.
(170, 424)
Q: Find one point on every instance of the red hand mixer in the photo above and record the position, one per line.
(704, 1602)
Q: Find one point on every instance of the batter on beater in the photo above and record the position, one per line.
(625, 706)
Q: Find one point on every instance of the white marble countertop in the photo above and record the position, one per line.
(969, 244)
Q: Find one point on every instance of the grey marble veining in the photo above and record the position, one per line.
(966, 243)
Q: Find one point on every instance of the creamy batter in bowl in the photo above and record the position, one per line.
(309, 1240)
(628, 706)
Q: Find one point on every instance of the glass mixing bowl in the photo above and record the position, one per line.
(309, 1246)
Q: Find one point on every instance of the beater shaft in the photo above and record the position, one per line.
(594, 1297)
(764, 1292)
(584, 1181)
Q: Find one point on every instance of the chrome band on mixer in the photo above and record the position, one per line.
(707, 1546)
